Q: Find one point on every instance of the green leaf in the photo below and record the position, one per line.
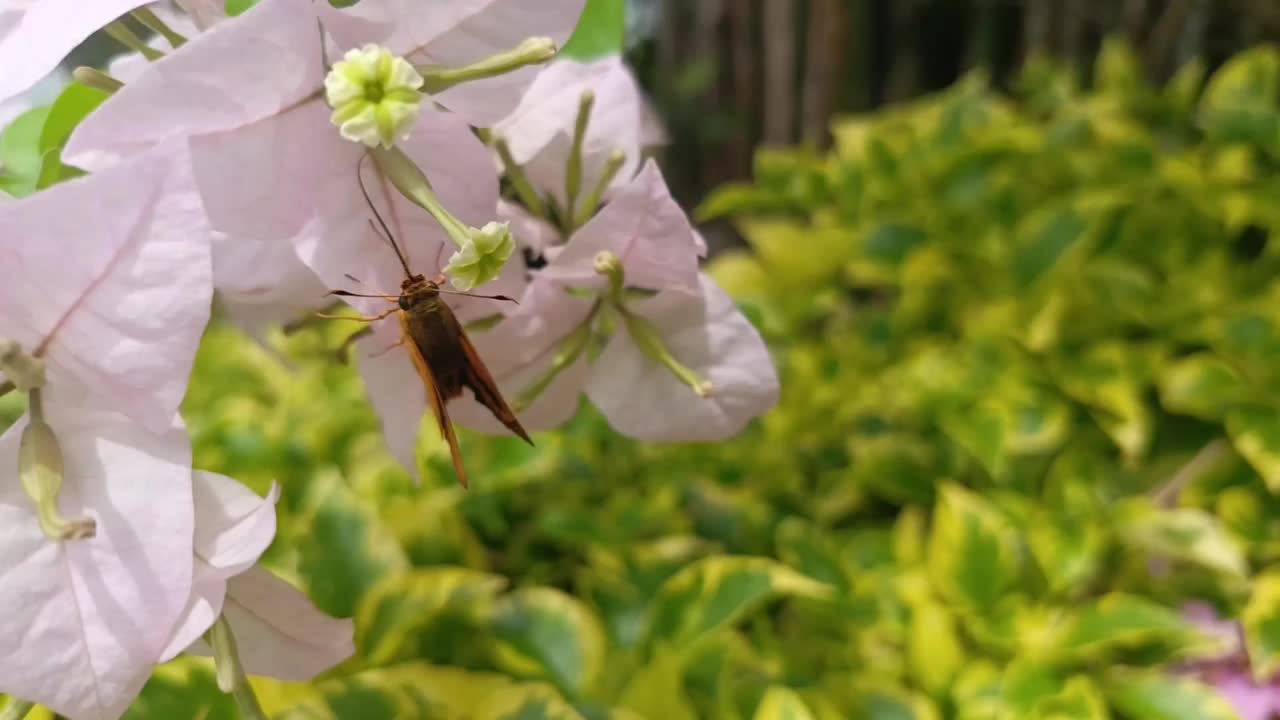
(1080, 699)
(545, 634)
(1143, 695)
(973, 550)
(1261, 622)
(184, 688)
(883, 701)
(717, 591)
(601, 30)
(1027, 683)
(782, 703)
(1201, 385)
(1119, 622)
(1255, 433)
(73, 105)
(657, 690)
(1185, 534)
(20, 156)
(236, 7)
(418, 690)
(394, 610)
(934, 652)
(345, 550)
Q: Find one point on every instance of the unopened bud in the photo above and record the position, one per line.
(610, 265)
(482, 256)
(532, 51)
(40, 469)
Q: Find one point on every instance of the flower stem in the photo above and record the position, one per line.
(121, 33)
(519, 181)
(230, 672)
(592, 203)
(573, 178)
(154, 23)
(571, 348)
(16, 709)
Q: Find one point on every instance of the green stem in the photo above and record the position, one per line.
(571, 348)
(616, 159)
(519, 181)
(573, 178)
(121, 33)
(230, 672)
(16, 709)
(148, 18)
(409, 179)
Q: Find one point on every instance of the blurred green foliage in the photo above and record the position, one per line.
(1030, 409)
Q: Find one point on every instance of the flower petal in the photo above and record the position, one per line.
(519, 351)
(241, 71)
(262, 282)
(540, 130)
(84, 621)
(111, 275)
(46, 33)
(233, 527)
(395, 390)
(529, 231)
(644, 227)
(707, 334)
(279, 632)
(344, 243)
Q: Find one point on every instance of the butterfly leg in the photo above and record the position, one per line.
(359, 318)
(344, 350)
(404, 337)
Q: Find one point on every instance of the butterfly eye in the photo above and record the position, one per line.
(404, 303)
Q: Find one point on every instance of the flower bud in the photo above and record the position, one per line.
(40, 469)
(610, 265)
(482, 256)
(374, 96)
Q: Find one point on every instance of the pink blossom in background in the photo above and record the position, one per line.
(1230, 674)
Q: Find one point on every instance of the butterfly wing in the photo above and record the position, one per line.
(477, 377)
(437, 400)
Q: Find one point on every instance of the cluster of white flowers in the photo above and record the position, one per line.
(227, 164)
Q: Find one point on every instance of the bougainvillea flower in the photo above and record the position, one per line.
(35, 35)
(278, 631)
(456, 34)
(233, 527)
(690, 318)
(706, 333)
(108, 277)
(82, 622)
(540, 130)
(248, 94)
(1230, 672)
(648, 231)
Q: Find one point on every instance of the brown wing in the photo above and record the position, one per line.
(476, 376)
(438, 402)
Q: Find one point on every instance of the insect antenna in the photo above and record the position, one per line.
(503, 298)
(388, 237)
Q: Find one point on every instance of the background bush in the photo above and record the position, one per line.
(1030, 410)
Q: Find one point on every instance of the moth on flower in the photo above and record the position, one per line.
(438, 347)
